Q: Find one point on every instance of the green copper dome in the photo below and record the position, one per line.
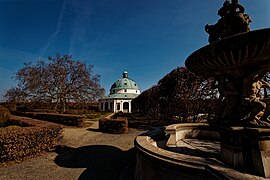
(124, 83)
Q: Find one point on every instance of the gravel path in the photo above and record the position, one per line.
(85, 153)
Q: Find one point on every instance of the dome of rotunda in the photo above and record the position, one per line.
(123, 84)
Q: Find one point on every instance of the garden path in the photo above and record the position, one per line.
(84, 153)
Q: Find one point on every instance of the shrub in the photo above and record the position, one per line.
(4, 115)
(11, 106)
(65, 119)
(24, 109)
(114, 126)
(19, 142)
(45, 110)
(71, 111)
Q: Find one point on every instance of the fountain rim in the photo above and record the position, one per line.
(197, 65)
(148, 151)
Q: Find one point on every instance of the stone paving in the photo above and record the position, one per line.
(194, 147)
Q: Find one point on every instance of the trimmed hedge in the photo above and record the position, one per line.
(17, 142)
(65, 119)
(4, 115)
(114, 126)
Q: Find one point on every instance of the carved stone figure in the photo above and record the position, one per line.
(251, 97)
(232, 21)
(241, 100)
(224, 9)
(266, 114)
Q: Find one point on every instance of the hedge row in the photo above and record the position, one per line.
(17, 142)
(4, 115)
(65, 119)
(114, 126)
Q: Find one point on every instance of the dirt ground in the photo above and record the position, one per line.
(84, 153)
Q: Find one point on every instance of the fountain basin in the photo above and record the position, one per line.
(178, 132)
(156, 160)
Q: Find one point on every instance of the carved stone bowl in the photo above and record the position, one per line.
(235, 55)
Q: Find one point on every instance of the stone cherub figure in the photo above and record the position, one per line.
(253, 100)
(242, 101)
(232, 21)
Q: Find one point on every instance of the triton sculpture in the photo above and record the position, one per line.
(232, 21)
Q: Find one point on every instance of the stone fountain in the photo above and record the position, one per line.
(238, 146)
(238, 59)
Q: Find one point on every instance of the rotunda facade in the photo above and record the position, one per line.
(122, 92)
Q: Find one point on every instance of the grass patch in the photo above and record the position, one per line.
(95, 116)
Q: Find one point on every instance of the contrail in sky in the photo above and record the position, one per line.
(82, 10)
(52, 38)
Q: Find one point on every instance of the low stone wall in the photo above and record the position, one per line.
(114, 126)
(190, 131)
(154, 162)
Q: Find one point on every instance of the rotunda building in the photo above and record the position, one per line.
(122, 92)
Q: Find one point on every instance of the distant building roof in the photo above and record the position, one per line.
(121, 96)
(124, 83)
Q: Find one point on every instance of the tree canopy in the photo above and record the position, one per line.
(58, 80)
(178, 94)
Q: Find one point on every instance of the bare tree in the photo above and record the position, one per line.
(57, 80)
(15, 95)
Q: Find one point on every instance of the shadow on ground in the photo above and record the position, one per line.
(101, 161)
(94, 130)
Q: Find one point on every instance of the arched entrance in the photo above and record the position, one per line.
(106, 106)
(125, 107)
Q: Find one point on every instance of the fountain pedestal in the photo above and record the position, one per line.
(258, 139)
(231, 146)
(246, 149)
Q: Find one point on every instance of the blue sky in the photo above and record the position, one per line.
(149, 38)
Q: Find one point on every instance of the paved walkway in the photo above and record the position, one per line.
(85, 153)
